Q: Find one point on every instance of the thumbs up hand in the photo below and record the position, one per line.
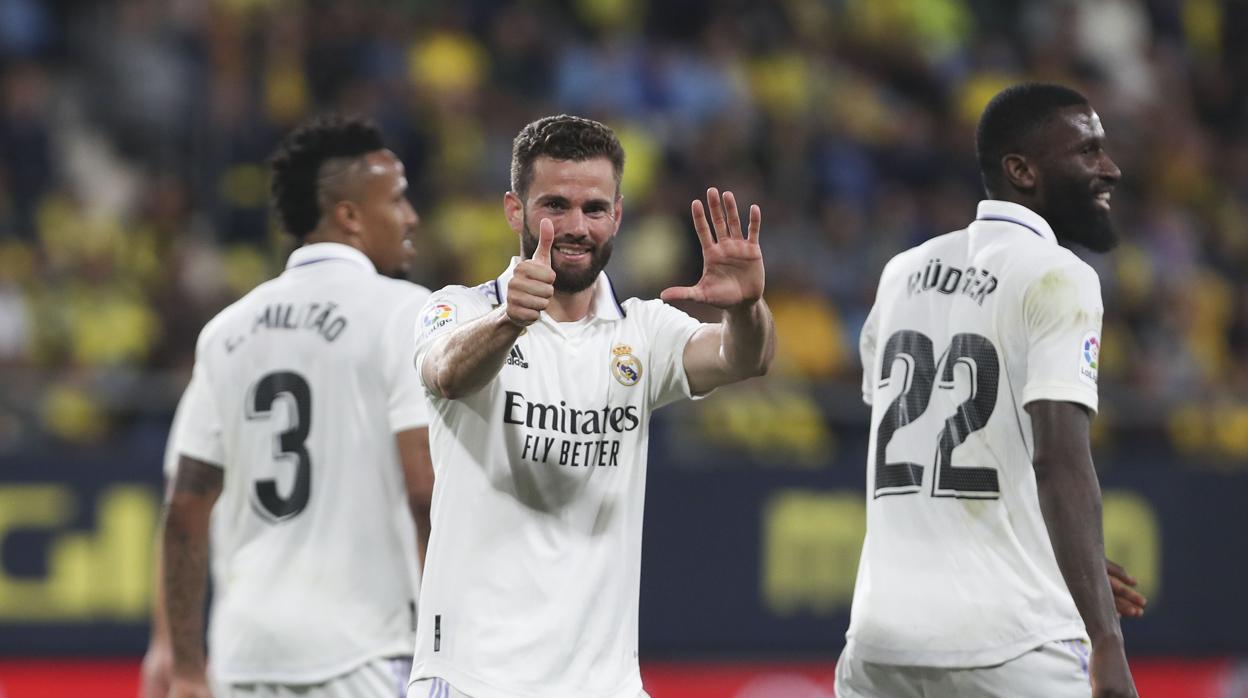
(533, 282)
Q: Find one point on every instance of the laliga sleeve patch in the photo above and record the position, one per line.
(437, 316)
(1090, 358)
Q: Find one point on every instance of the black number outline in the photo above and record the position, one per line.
(915, 351)
(964, 481)
(978, 354)
(288, 444)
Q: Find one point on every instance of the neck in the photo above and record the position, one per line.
(322, 234)
(1016, 197)
(570, 307)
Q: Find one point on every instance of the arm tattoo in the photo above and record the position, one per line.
(185, 552)
(197, 477)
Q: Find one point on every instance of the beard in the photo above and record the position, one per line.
(1077, 219)
(570, 280)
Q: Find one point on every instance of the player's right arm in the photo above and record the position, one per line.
(184, 554)
(465, 359)
(1070, 500)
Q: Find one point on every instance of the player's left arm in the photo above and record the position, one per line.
(184, 555)
(418, 479)
(1070, 500)
(743, 344)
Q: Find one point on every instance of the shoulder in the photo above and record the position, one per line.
(1052, 266)
(1057, 281)
(219, 324)
(402, 295)
(402, 290)
(918, 255)
(486, 293)
(650, 311)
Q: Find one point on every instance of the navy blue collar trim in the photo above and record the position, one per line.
(318, 260)
(498, 293)
(1007, 219)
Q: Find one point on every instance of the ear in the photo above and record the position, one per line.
(347, 217)
(1019, 172)
(619, 212)
(513, 208)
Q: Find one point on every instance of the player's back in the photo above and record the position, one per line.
(957, 569)
(314, 559)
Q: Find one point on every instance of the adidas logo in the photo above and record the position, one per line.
(515, 357)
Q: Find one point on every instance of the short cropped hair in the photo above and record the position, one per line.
(296, 165)
(1011, 118)
(563, 137)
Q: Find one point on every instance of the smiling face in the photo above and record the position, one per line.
(1074, 178)
(580, 199)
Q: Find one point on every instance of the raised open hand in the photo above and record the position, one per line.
(732, 262)
(533, 282)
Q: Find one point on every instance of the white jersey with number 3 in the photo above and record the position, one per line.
(957, 569)
(297, 392)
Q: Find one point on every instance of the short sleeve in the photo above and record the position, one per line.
(407, 407)
(446, 309)
(197, 428)
(867, 342)
(1062, 315)
(170, 465)
(669, 330)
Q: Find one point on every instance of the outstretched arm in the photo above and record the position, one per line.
(184, 555)
(467, 358)
(1070, 500)
(743, 344)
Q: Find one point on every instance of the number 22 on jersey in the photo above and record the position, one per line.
(913, 353)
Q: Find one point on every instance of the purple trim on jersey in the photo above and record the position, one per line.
(319, 259)
(1007, 219)
(1080, 651)
(615, 297)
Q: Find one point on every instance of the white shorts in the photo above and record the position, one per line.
(1056, 669)
(380, 678)
(434, 688)
(439, 688)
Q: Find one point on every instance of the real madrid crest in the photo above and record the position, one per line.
(624, 366)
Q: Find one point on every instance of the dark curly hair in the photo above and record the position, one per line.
(297, 164)
(563, 137)
(1010, 120)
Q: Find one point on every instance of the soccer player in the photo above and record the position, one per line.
(983, 569)
(304, 433)
(541, 386)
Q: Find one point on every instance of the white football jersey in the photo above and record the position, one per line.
(957, 569)
(534, 562)
(297, 393)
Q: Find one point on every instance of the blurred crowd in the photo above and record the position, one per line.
(133, 192)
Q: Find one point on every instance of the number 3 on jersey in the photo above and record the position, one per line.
(290, 443)
(914, 350)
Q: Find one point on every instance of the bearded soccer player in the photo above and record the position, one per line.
(983, 569)
(303, 433)
(541, 386)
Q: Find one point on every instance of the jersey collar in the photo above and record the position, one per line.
(318, 252)
(1016, 214)
(604, 306)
